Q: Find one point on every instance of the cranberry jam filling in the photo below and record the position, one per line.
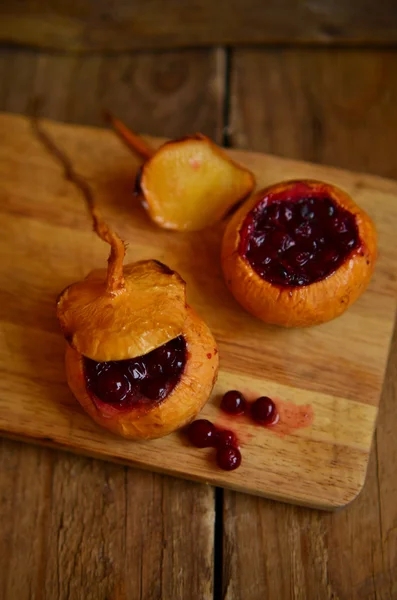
(298, 237)
(140, 381)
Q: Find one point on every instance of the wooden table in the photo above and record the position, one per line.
(73, 527)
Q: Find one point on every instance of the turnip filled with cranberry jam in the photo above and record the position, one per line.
(299, 253)
(149, 394)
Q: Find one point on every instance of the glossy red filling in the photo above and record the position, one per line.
(138, 382)
(295, 239)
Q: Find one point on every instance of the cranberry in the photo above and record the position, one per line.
(233, 402)
(225, 437)
(297, 241)
(331, 256)
(154, 365)
(176, 350)
(93, 368)
(286, 212)
(339, 225)
(348, 241)
(156, 389)
(264, 411)
(112, 386)
(137, 370)
(167, 359)
(202, 433)
(279, 272)
(303, 231)
(172, 360)
(259, 240)
(158, 361)
(178, 343)
(306, 210)
(299, 258)
(273, 214)
(330, 208)
(228, 458)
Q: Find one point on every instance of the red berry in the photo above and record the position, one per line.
(112, 386)
(233, 402)
(156, 389)
(264, 411)
(225, 437)
(228, 458)
(202, 433)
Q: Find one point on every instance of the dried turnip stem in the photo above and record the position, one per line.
(131, 140)
(115, 278)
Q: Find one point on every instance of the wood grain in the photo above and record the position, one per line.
(25, 493)
(323, 465)
(337, 107)
(81, 25)
(90, 528)
(145, 89)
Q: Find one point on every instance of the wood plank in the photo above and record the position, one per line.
(25, 493)
(337, 107)
(81, 25)
(94, 529)
(322, 465)
(340, 100)
(147, 90)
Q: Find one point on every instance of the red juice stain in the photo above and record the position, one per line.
(292, 417)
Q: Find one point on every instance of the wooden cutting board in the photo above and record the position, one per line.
(336, 369)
